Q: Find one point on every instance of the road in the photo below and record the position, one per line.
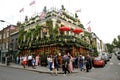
(110, 72)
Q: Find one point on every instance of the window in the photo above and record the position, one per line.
(7, 45)
(3, 35)
(7, 34)
(0, 36)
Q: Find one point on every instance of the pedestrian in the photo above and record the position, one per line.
(17, 60)
(37, 60)
(33, 63)
(54, 66)
(70, 65)
(65, 63)
(87, 62)
(29, 60)
(24, 61)
(81, 64)
(49, 61)
(8, 60)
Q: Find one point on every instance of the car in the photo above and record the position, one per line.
(105, 57)
(110, 55)
(98, 62)
(118, 55)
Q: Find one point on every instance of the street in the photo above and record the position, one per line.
(110, 72)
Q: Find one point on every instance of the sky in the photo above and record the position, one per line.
(104, 15)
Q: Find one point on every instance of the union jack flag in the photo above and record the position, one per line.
(42, 16)
(89, 29)
(33, 2)
(21, 10)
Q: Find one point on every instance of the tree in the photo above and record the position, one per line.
(116, 42)
(109, 47)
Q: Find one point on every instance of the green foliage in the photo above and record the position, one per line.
(49, 24)
(109, 47)
(81, 26)
(116, 42)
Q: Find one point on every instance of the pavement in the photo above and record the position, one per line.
(39, 69)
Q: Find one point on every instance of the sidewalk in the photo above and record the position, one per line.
(39, 69)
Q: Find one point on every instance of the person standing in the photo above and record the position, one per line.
(8, 60)
(70, 65)
(80, 61)
(24, 61)
(17, 60)
(54, 65)
(65, 63)
(33, 63)
(37, 59)
(29, 60)
(87, 62)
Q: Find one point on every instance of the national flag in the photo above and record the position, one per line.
(12, 27)
(79, 10)
(89, 29)
(88, 22)
(21, 10)
(42, 16)
(33, 2)
(60, 13)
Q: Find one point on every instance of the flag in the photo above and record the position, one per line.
(21, 10)
(79, 10)
(12, 27)
(60, 13)
(88, 22)
(33, 2)
(42, 16)
(89, 29)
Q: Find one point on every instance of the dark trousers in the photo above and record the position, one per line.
(65, 69)
(29, 62)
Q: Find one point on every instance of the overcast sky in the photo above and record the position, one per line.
(103, 14)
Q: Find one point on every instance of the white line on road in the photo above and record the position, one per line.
(118, 63)
(111, 63)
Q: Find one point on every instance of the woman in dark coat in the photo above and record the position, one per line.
(88, 62)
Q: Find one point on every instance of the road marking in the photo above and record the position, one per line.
(111, 63)
(118, 63)
(87, 78)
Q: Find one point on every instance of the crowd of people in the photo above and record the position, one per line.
(28, 60)
(67, 62)
(84, 63)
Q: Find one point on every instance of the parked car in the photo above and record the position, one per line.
(110, 55)
(118, 55)
(98, 62)
(105, 57)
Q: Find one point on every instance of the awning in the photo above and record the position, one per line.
(77, 30)
(64, 28)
